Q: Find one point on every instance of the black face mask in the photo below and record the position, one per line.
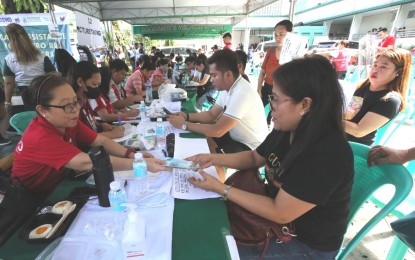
(92, 93)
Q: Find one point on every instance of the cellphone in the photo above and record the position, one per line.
(166, 111)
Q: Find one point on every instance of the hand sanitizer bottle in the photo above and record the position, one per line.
(133, 241)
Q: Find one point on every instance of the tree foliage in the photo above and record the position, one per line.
(22, 6)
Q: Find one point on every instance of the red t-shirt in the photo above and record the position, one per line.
(389, 40)
(229, 46)
(100, 103)
(270, 64)
(87, 116)
(41, 154)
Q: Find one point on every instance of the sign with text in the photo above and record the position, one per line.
(37, 27)
(89, 30)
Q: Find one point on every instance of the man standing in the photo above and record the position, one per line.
(236, 122)
(136, 53)
(227, 40)
(387, 41)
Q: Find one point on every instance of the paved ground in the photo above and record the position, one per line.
(376, 243)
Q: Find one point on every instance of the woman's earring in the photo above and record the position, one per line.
(302, 113)
(44, 115)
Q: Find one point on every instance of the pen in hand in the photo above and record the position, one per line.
(119, 118)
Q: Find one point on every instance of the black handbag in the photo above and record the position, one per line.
(18, 205)
(404, 228)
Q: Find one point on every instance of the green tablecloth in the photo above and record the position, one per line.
(199, 230)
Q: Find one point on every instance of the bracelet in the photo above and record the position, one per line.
(128, 152)
(226, 192)
(6, 103)
(187, 116)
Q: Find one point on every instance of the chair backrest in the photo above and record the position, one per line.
(21, 120)
(267, 109)
(384, 133)
(368, 180)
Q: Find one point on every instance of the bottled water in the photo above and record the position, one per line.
(149, 92)
(140, 173)
(161, 134)
(117, 196)
(143, 111)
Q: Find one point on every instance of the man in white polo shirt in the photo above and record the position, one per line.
(237, 120)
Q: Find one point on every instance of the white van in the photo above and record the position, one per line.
(260, 51)
(176, 50)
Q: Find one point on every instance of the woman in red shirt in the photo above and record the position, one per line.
(50, 145)
(271, 60)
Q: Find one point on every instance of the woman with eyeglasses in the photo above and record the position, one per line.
(271, 60)
(86, 79)
(51, 143)
(308, 164)
(379, 98)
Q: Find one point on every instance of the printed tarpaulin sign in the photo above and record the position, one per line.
(89, 30)
(36, 26)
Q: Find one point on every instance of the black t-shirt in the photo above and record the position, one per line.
(384, 102)
(322, 175)
(208, 85)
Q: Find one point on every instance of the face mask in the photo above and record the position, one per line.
(92, 93)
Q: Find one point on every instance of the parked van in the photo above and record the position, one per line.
(176, 50)
(260, 51)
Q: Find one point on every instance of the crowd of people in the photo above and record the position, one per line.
(308, 161)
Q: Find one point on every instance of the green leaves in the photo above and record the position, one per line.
(32, 6)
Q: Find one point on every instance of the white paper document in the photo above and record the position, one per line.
(183, 189)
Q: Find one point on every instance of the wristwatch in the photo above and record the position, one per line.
(184, 126)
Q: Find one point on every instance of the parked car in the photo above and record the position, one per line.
(257, 57)
(176, 50)
(332, 45)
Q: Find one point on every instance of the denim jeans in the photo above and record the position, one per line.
(291, 250)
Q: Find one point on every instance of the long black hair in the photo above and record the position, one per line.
(312, 77)
(83, 70)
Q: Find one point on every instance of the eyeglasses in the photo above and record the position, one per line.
(273, 101)
(69, 108)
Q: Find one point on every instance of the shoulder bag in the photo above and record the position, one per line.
(248, 228)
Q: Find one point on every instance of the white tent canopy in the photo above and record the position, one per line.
(154, 12)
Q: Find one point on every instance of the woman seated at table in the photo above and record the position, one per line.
(160, 74)
(308, 163)
(136, 82)
(102, 106)
(85, 82)
(206, 92)
(380, 97)
(50, 144)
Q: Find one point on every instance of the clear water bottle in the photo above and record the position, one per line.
(140, 173)
(160, 134)
(117, 196)
(143, 111)
(149, 92)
